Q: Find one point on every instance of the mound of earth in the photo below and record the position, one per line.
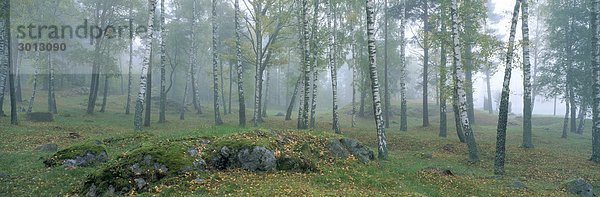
(189, 160)
(86, 154)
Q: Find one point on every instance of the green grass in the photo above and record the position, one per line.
(543, 169)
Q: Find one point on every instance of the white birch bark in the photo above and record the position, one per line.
(462, 96)
(504, 101)
(527, 106)
(240, 68)
(596, 75)
(163, 63)
(381, 138)
(139, 106)
(403, 106)
(215, 59)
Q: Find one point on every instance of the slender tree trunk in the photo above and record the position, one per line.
(363, 95)
(354, 92)
(163, 64)
(332, 66)
(462, 98)
(11, 69)
(306, 66)
(489, 91)
(104, 94)
(442, 83)
(314, 54)
(221, 77)
(596, 88)
(288, 114)
(51, 97)
(215, 58)
(566, 120)
(230, 87)
(425, 82)
(139, 106)
(148, 110)
(386, 89)
(573, 120)
(4, 67)
(240, 68)
(195, 92)
(184, 102)
(527, 109)
(582, 114)
(504, 101)
(18, 92)
(258, 75)
(266, 102)
(129, 74)
(403, 106)
(379, 123)
(34, 90)
(313, 102)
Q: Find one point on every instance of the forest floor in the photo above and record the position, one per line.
(542, 169)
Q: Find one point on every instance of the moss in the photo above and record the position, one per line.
(74, 151)
(119, 175)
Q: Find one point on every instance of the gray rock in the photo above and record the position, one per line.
(140, 182)
(199, 164)
(224, 159)
(162, 169)
(517, 184)
(580, 187)
(48, 147)
(148, 159)
(192, 151)
(338, 150)
(199, 180)
(4, 175)
(257, 159)
(363, 153)
(135, 168)
(92, 191)
(280, 114)
(87, 160)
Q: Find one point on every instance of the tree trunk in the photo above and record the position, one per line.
(104, 94)
(215, 59)
(566, 120)
(239, 67)
(379, 123)
(504, 101)
(314, 56)
(230, 87)
(129, 74)
(148, 110)
(527, 139)
(9, 61)
(403, 106)
(139, 106)
(489, 91)
(184, 102)
(332, 66)
(266, 101)
(51, 95)
(222, 87)
(195, 92)
(303, 122)
(462, 98)
(386, 89)
(582, 114)
(288, 114)
(4, 67)
(425, 82)
(163, 64)
(354, 91)
(34, 90)
(442, 83)
(596, 88)
(363, 96)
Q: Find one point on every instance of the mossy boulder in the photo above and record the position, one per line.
(86, 154)
(144, 168)
(579, 187)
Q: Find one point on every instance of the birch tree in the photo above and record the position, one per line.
(462, 98)
(34, 89)
(129, 74)
(139, 106)
(379, 123)
(5, 54)
(240, 68)
(332, 66)
(305, 48)
(504, 102)
(215, 59)
(403, 106)
(163, 63)
(527, 141)
(596, 76)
